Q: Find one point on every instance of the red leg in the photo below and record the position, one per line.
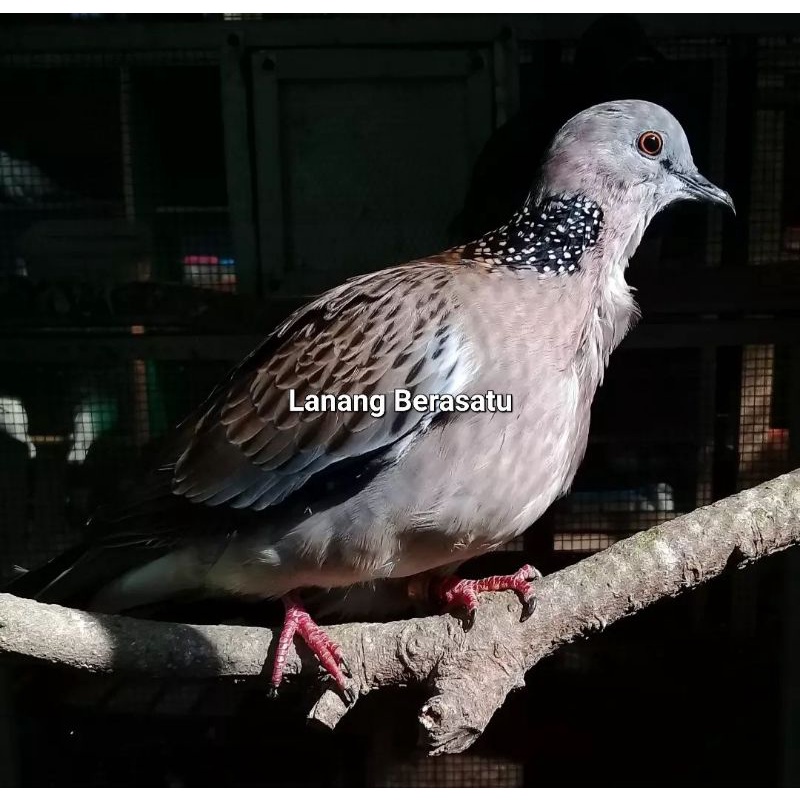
(297, 620)
(458, 592)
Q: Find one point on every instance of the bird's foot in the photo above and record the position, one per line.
(298, 621)
(457, 592)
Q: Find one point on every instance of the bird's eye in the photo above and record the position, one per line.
(650, 143)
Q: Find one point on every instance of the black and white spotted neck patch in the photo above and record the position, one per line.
(550, 237)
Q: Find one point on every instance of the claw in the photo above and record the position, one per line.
(528, 607)
(346, 692)
(468, 618)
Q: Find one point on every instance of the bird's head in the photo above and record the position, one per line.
(630, 154)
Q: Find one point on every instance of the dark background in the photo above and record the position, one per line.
(170, 188)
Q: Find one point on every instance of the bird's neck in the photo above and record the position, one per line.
(548, 237)
(626, 216)
(614, 309)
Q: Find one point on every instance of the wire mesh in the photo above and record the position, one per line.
(465, 770)
(763, 446)
(650, 449)
(773, 228)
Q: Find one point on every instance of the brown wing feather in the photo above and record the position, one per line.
(388, 330)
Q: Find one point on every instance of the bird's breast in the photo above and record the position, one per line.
(482, 478)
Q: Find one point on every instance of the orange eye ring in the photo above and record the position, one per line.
(650, 143)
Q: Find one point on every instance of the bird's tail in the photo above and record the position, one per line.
(73, 577)
(134, 551)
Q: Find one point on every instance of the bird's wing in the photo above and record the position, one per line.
(389, 330)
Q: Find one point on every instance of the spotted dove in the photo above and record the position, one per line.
(258, 500)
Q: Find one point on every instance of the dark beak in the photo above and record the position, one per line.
(702, 189)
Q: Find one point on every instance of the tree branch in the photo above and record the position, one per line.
(469, 673)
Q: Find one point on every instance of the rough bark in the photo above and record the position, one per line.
(469, 672)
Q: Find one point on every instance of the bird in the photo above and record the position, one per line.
(14, 422)
(256, 499)
(93, 416)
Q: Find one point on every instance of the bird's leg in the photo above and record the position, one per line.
(298, 620)
(457, 592)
